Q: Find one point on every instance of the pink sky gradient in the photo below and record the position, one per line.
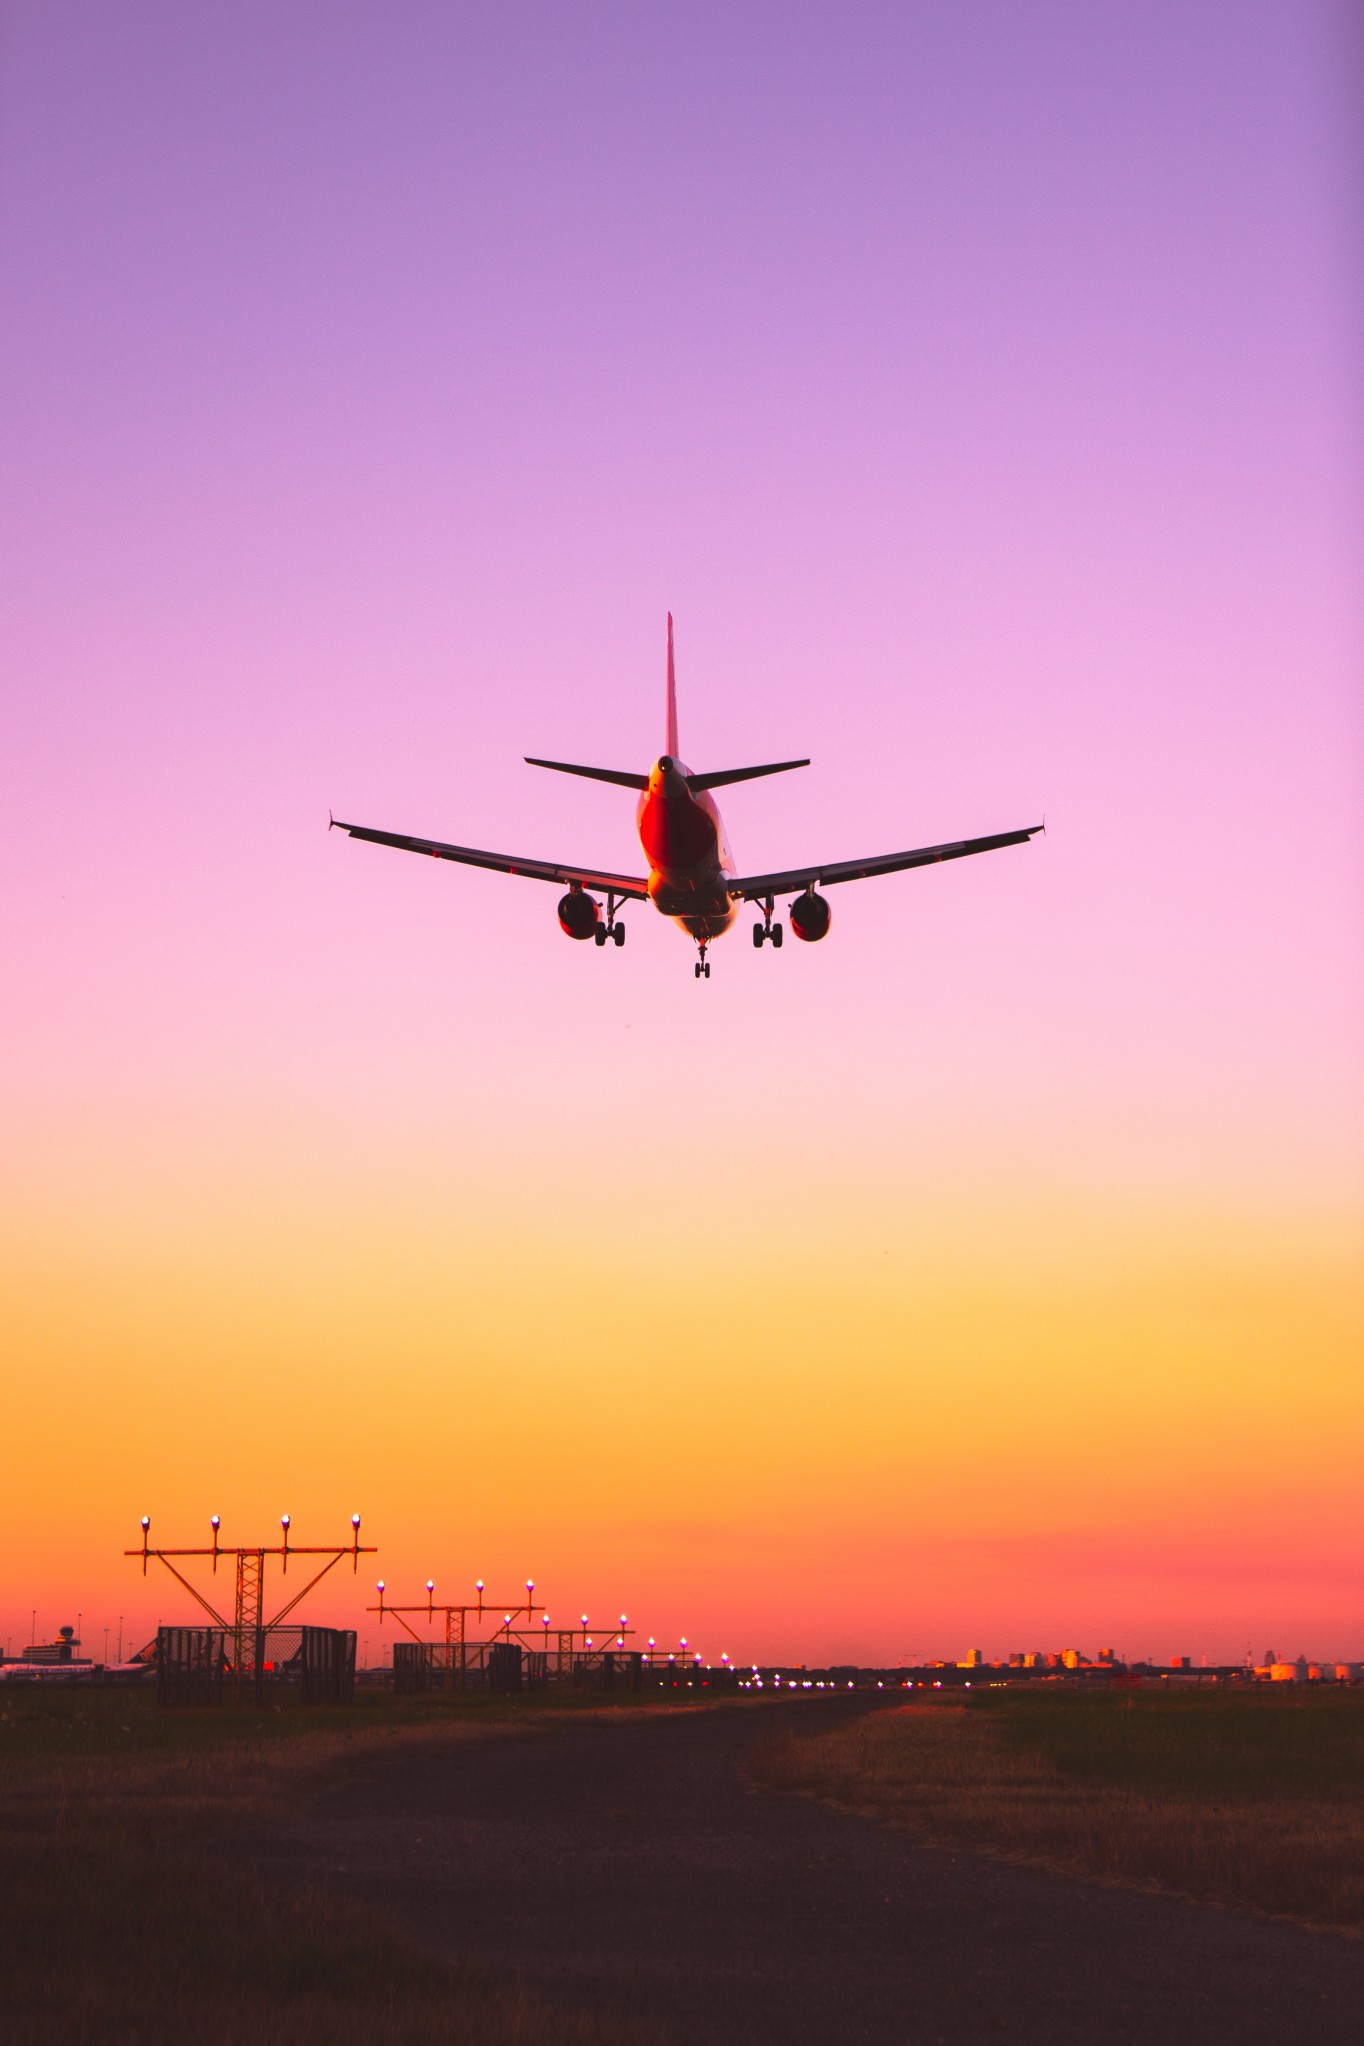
(980, 389)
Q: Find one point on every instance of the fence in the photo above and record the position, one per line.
(506, 1666)
(327, 1656)
(191, 1664)
(194, 1665)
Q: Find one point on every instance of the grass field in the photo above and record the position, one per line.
(1248, 1798)
(126, 1911)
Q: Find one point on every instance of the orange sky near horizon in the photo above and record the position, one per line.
(942, 1418)
(979, 389)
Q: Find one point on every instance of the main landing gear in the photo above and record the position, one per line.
(610, 929)
(767, 932)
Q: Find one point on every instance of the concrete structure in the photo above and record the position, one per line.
(63, 1649)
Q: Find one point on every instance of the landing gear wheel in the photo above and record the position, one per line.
(600, 935)
(698, 969)
(619, 934)
(758, 936)
(706, 969)
(775, 935)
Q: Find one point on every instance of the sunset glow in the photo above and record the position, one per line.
(982, 399)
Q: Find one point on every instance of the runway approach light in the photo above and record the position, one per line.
(355, 1520)
(146, 1522)
(214, 1522)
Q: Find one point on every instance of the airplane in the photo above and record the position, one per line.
(692, 877)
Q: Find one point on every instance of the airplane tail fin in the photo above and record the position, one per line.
(672, 695)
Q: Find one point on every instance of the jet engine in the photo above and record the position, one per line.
(579, 914)
(810, 917)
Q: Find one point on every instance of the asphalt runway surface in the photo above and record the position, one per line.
(627, 1866)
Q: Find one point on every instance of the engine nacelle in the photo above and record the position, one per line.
(811, 917)
(579, 914)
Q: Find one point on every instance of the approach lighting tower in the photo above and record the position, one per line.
(248, 1625)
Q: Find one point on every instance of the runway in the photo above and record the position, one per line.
(627, 1866)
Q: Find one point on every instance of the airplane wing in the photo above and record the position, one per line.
(500, 863)
(753, 887)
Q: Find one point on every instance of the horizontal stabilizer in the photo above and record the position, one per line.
(697, 782)
(617, 775)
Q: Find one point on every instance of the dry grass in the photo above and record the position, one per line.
(125, 1914)
(1238, 1798)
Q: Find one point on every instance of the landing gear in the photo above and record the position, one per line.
(610, 930)
(702, 964)
(767, 931)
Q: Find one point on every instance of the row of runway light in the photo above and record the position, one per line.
(682, 1653)
(256, 1553)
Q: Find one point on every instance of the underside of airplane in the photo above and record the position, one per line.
(692, 877)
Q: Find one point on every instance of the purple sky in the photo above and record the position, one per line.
(979, 386)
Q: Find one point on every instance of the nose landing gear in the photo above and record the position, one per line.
(767, 932)
(702, 964)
